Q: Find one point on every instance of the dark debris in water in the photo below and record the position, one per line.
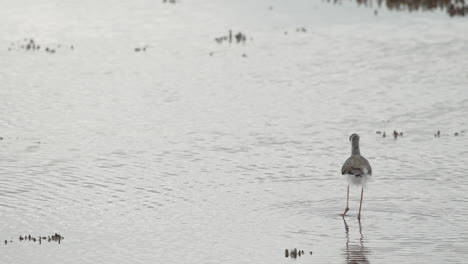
(397, 134)
(142, 48)
(239, 37)
(456, 134)
(39, 239)
(295, 253)
(298, 30)
(301, 29)
(29, 44)
(452, 7)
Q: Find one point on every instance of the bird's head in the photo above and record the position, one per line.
(354, 137)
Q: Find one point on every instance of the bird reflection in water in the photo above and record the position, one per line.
(355, 253)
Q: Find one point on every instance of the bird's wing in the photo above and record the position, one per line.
(369, 168)
(348, 167)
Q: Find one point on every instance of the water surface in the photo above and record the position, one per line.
(198, 152)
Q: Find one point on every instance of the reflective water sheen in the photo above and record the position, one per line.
(199, 152)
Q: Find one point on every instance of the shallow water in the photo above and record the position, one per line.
(175, 156)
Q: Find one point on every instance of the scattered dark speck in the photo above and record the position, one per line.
(294, 253)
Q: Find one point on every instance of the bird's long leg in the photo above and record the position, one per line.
(347, 203)
(360, 204)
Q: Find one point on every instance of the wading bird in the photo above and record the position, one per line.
(357, 169)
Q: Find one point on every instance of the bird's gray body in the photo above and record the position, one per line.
(356, 167)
